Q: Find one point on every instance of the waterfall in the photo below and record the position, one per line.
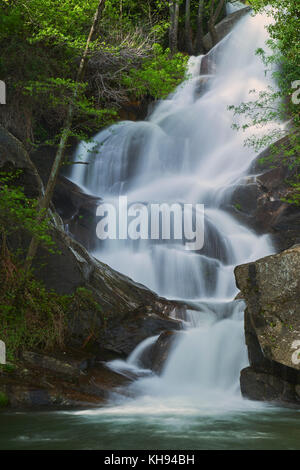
(187, 152)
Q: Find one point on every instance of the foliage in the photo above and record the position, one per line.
(30, 316)
(43, 42)
(18, 212)
(158, 75)
(3, 400)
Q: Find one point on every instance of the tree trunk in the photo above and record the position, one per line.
(199, 47)
(46, 199)
(214, 15)
(174, 19)
(188, 31)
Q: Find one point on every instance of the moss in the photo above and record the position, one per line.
(3, 400)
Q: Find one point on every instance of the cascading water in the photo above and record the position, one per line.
(187, 152)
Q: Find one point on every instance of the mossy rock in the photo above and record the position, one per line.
(3, 400)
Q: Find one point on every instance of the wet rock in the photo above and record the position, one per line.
(109, 314)
(245, 198)
(261, 386)
(271, 289)
(261, 202)
(161, 350)
(77, 211)
(45, 381)
(225, 26)
(123, 337)
(208, 65)
(202, 86)
(118, 313)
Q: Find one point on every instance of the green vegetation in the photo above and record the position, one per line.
(31, 317)
(19, 213)
(3, 400)
(43, 43)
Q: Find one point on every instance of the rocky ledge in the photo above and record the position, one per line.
(261, 199)
(271, 289)
(113, 317)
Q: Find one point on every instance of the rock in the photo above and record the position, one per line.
(65, 367)
(48, 381)
(208, 65)
(77, 211)
(260, 386)
(161, 350)
(245, 198)
(115, 313)
(109, 314)
(271, 289)
(124, 336)
(225, 26)
(260, 201)
(202, 86)
(110, 303)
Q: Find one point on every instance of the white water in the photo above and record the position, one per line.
(187, 152)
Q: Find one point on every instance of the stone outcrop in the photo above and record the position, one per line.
(161, 350)
(225, 26)
(271, 289)
(260, 201)
(109, 318)
(65, 380)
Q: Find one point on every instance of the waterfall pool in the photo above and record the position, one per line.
(154, 428)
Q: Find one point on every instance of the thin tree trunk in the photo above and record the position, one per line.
(174, 19)
(188, 31)
(214, 15)
(46, 199)
(200, 49)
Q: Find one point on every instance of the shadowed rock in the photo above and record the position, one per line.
(271, 289)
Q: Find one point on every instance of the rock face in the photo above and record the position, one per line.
(271, 289)
(259, 201)
(127, 312)
(161, 350)
(109, 318)
(77, 210)
(55, 381)
(225, 26)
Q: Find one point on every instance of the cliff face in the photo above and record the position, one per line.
(271, 289)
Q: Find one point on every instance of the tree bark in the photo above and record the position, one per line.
(174, 20)
(188, 32)
(199, 47)
(214, 15)
(46, 199)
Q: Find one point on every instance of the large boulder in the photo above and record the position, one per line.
(161, 350)
(225, 26)
(271, 289)
(261, 200)
(77, 210)
(60, 380)
(113, 312)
